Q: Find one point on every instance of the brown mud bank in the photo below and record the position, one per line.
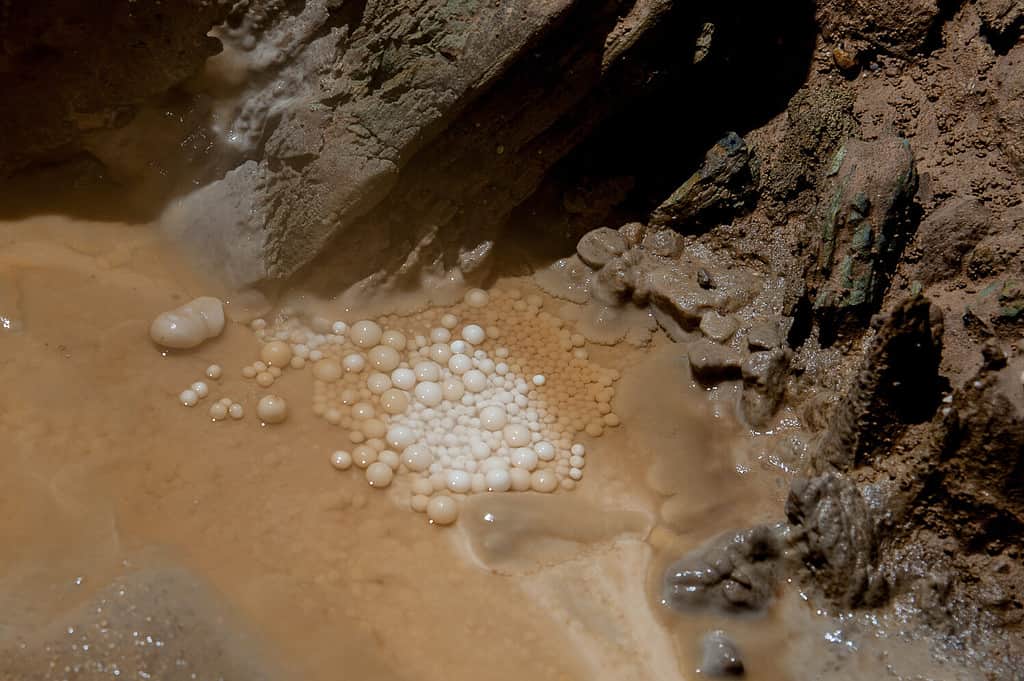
(821, 205)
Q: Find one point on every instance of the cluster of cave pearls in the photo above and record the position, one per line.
(853, 252)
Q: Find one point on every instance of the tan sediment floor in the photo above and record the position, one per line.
(107, 478)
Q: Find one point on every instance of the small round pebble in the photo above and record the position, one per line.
(214, 371)
(379, 474)
(201, 389)
(188, 398)
(236, 411)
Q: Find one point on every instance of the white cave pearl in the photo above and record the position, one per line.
(520, 478)
(477, 297)
(394, 401)
(377, 383)
(214, 371)
(498, 480)
(365, 333)
(353, 363)
(384, 358)
(272, 409)
(449, 321)
(201, 389)
(379, 474)
(440, 353)
(188, 398)
(236, 411)
(458, 347)
(276, 353)
(400, 437)
(474, 380)
(218, 412)
(459, 482)
(524, 457)
(404, 379)
(417, 457)
(394, 339)
(189, 325)
(460, 364)
(442, 510)
(545, 451)
(473, 334)
(453, 389)
(428, 393)
(517, 435)
(493, 418)
(440, 335)
(427, 371)
(341, 460)
(544, 480)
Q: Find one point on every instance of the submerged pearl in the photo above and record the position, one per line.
(272, 409)
(442, 510)
(189, 325)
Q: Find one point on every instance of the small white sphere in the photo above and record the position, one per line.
(440, 335)
(459, 482)
(276, 354)
(236, 411)
(545, 451)
(428, 393)
(365, 333)
(354, 363)
(517, 435)
(218, 412)
(493, 418)
(384, 358)
(189, 398)
(341, 460)
(474, 380)
(272, 409)
(390, 458)
(378, 383)
(403, 379)
(339, 328)
(578, 450)
(214, 371)
(577, 461)
(419, 502)
(201, 389)
(442, 510)
(379, 474)
(449, 321)
(427, 371)
(498, 480)
(458, 347)
(524, 457)
(452, 389)
(364, 456)
(476, 297)
(400, 437)
(575, 473)
(539, 380)
(473, 334)
(394, 401)
(327, 370)
(460, 364)
(544, 480)
(520, 478)
(417, 457)
(394, 339)
(363, 410)
(440, 353)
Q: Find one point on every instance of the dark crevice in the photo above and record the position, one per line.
(1004, 41)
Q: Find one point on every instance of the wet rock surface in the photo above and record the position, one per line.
(720, 657)
(735, 572)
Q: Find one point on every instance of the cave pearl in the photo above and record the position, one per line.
(379, 474)
(493, 418)
(189, 325)
(365, 333)
(473, 334)
(442, 510)
(272, 409)
(276, 354)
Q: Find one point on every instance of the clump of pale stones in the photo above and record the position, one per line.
(488, 395)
